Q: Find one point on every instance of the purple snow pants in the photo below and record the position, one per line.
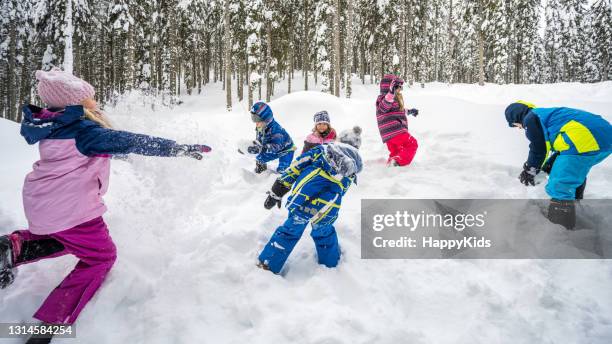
(92, 244)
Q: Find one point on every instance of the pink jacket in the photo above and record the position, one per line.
(65, 187)
(313, 140)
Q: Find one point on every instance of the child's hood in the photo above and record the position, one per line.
(343, 158)
(385, 83)
(39, 124)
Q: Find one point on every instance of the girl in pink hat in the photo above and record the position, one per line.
(62, 196)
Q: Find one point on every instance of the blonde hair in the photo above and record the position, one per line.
(329, 127)
(400, 100)
(97, 117)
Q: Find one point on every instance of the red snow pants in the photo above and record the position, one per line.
(402, 148)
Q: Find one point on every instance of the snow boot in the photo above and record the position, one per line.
(7, 275)
(580, 191)
(562, 213)
(40, 340)
(392, 163)
(263, 266)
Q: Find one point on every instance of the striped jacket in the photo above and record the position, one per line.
(391, 119)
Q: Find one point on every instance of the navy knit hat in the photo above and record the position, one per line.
(321, 117)
(262, 111)
(516, 112)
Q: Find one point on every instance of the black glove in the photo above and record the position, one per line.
(275, 195)
(6, 278)
(6, 262)
(548, 165)
(260, 166)
(191, 151)
(255, 148)
(272, 200)
(527, 177)
(413, 112)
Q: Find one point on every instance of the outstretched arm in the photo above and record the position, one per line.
(94, 140)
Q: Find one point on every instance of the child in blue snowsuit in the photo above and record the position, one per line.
(565, 143)
(272, 141)
(318, 180)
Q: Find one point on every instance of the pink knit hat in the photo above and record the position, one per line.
(59, 89)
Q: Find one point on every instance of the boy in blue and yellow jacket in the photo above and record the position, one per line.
(272, 141)
(318, 180)
(565, 143)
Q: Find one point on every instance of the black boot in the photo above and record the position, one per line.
(6, 262)
(580, 191)
(562, 213)
(42, 338)
(39, 340)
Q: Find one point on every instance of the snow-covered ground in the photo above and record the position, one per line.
(188, 232)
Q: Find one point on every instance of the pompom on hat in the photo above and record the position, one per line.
(58, 89)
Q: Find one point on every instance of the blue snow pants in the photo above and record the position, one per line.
(284, 159)
(284, 239)
(569, 172)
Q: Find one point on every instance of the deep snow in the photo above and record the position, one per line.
(188, 232)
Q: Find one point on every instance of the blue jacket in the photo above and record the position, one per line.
(274, 140)
(90, 138)
(565, 130)
(316, 186)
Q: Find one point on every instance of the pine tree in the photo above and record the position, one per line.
(322, 45)
(552, 42)
(170, 47)
(600, 38)
(572, 38)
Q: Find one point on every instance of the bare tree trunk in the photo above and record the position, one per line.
(450, 52)
(173, 54)
(436, 44)
(10, 78)
(129, 66)
(24, 96)
(349, 49)
(68, 29)
(268, 57)
(409, 38)
(290, 58)
(259, 82)
(362, 65)
(228, 57)
(290, 64)
(402, 14)
(480, 44)
(305, 49)
(336, 90)
(250, 85)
